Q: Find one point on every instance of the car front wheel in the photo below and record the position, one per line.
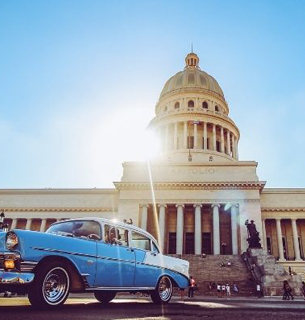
(50, 287)
(163, 292)
(104, 296)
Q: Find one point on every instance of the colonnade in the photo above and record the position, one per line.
(197, 226)
(279, 235)
(29, 221)
(228, 141)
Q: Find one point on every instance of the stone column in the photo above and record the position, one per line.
(14, 224)
(233, 147)
(162, 225)
(295, 240)
(234, 229)
(205, 136)
(144, 216)
(236, 149)
(280, 239)
(195, 136)
(228, 143)
(28, 224)
(214, 137)
(198, 233)
(179, 232)
(216, 229)
(43, 225)
(222, 140)
(175, 135)
(185, 134)
(166, 137)
(264, 234)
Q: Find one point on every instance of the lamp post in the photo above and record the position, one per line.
(190, 158)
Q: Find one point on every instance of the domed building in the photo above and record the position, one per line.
(195, 196)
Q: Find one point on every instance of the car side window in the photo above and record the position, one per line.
(140, 241)
(87, 229)
(80, 229)
(122, 236)
(154, 248)
(115, 235)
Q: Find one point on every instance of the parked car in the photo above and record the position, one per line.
(87, 255)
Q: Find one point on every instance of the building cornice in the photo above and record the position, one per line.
(244, 185)
(46, 209)
(283, 209)
(58, 191)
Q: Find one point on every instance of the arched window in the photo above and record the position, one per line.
(190, 104)
(216, 108)
(177, 105)
(204, 105)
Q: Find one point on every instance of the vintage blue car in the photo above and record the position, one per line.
(87, 255)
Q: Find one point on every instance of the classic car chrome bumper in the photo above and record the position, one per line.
(8, 277)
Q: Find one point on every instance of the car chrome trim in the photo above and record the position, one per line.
(17, 278)
(27, 266)
(65, 252)
(120, 288)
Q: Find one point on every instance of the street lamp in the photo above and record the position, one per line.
(190, 158)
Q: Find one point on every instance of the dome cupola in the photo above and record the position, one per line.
(192, 118)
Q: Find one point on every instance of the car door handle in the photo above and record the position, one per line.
(130, 249)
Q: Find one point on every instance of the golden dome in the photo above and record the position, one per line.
(191, 78)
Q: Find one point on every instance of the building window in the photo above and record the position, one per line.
(216, 108)
(177, 105)
(301, 248)
(206, 243)
(208, 143)
(190, 104)
(285, 247)
(189, 243)
(269, 245)
(190, 142)
(204, 105)
(172, 240)
(218, 146)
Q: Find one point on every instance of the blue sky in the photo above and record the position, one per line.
(79, 81)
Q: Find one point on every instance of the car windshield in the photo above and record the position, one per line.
(80, 229)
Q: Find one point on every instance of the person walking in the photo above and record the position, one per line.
(287, 295)
(192, 287)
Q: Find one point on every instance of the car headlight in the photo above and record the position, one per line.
(11, 240)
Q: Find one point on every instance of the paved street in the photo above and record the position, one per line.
(87, 308)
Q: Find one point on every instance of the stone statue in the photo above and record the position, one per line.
(253, 235)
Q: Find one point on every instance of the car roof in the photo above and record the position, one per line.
(112, 222)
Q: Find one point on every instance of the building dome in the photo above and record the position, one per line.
(192, 118)
(191, 78)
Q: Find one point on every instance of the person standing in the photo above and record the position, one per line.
(228, 290)
(287, 291)
(235, 289)
(223, 290)
(192, 287)
(218, 290)
(259, 290)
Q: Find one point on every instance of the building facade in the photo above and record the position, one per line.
(196, 196)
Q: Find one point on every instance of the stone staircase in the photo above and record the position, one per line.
(207, 270)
